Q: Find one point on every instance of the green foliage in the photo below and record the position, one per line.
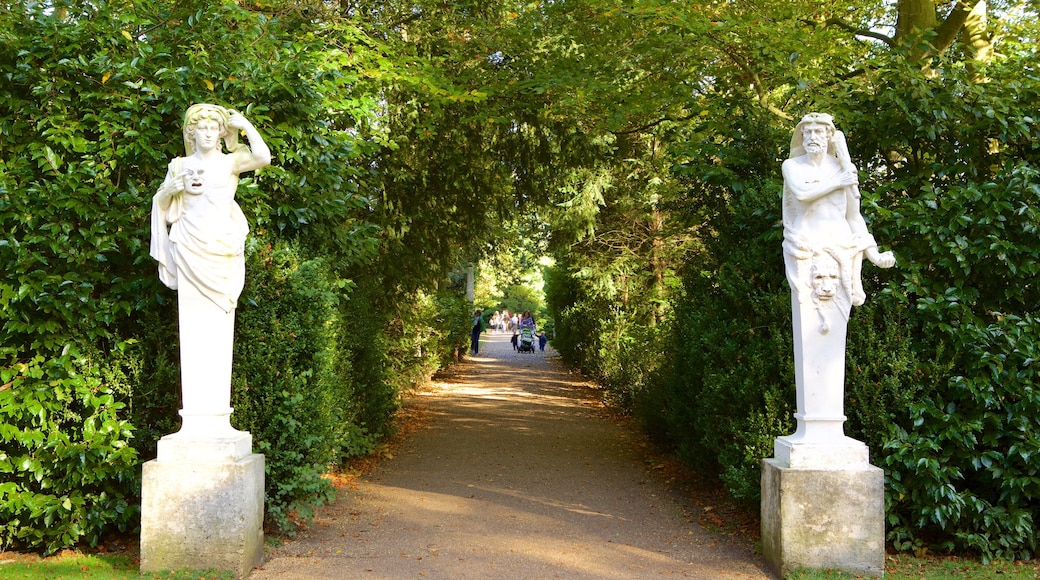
(616, 244)
(959, 200)
(631, 353)
(887, 370)
(70, 213)
(286, 390)
(69, 472)
(520, 298)
(577, 319)
(425, 335)
(453, 323)
(938, 378)
(607, 341)
(730, 389)
(394, 343)
(88, 121)
(155, 392)
(364, 345)
(965, 474)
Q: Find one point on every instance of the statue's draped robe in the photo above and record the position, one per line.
(202, 256)
(203, 247)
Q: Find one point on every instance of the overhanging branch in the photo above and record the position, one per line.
(841, 24)
(653, 124)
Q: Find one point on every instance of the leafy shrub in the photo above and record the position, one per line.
(961, 212)
(69, 472)
(453, 323)
(285, 387)
(961, 473)
(392, 343)
(155, 397)
(577, 317)
(887, 369)
(731, 391)
(364, 348)
(965, 475)
(424, 334)
(88, 121)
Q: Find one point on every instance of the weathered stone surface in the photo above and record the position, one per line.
(840, 452)
(823, 518)
(198, 515)
(185, 447)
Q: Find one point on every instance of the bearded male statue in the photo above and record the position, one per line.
(825, 241)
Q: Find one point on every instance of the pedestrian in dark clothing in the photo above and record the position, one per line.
(474, 334)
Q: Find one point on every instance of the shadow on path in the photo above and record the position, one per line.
(517, 473)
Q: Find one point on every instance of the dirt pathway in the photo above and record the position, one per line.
(517, 472)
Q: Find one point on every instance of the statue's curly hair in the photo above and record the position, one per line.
(201, 111)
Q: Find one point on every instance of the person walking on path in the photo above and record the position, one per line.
(519, 475)
(476, 331)
(527, 321)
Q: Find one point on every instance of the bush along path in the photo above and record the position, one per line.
(514, 471)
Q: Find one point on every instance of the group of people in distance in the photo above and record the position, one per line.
(525, 331)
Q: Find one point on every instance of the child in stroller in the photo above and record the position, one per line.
(526, 333)
(526, 340)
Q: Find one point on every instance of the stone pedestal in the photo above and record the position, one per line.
(823, 504)
(823, 518)
(202, 505)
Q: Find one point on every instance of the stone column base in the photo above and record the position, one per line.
(198, 515)
(823, 518)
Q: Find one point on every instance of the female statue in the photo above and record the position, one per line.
(201, 255)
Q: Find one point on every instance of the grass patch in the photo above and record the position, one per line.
(72, 564)
(908, 567)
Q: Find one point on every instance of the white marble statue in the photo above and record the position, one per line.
(198, 238)
(825, 241)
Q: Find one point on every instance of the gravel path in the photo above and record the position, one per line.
(517, 472)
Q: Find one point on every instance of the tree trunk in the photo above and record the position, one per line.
(914, 17)
(976, 33)
(967, 17)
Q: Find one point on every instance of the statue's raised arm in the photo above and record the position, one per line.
(257, 155)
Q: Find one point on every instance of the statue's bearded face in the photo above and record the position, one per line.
(815, 137)
(826, 279)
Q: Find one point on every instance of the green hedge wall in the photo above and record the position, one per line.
(940, 378)
(89, 376)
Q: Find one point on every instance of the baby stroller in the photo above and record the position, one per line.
(526, 343)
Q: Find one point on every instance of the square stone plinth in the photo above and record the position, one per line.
(823, 518)
(198, 515)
